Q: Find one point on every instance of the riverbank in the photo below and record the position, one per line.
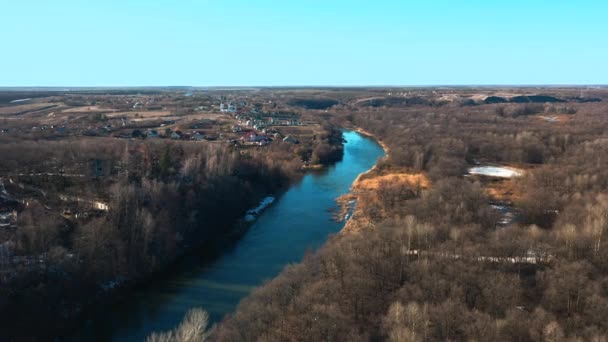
(349, 203)
(381, 143)
(199, 253)
(371, 181)
(297, 221)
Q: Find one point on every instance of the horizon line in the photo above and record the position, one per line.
(529, 85)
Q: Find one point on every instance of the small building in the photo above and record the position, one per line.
(176, 135)
(152, 134)
(228, 108)
(198, 136)
(252, 137)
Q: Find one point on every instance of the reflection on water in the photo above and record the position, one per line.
(297, 222)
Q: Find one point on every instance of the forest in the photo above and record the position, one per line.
(103, 214)
(432, 252)
(430, 261)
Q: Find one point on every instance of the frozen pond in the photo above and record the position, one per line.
(495, 171)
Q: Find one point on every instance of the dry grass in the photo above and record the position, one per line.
(558, 118)
(299, 130)
(503, 190)
(87, 109)
(24, 108)
(373, 183)
(141, 114)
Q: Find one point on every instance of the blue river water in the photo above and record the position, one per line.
(300, 220)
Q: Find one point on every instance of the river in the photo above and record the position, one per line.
(300, 220)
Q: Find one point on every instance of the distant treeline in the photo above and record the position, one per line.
(398, 101)
(313, 103)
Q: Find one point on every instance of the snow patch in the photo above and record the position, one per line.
(495, 171)
(253, 213)
(20, 100)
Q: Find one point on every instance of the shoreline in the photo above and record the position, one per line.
(343, 201)
(371, 135)
(207, 252)
(381, 143)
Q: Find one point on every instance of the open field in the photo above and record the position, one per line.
(86, 109)
(26, 108)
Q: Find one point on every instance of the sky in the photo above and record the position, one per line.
(302, 43)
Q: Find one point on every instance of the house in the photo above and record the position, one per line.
(232, 108)
(61, 130)
(283, 121)
(198, 136)
(289, 139)
(236, 128)
(152, 134)
(252, 137)
(176, 135)
(229, 108)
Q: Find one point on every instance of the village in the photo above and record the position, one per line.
(209, 118)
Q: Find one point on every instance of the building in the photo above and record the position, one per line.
(198, 136)
(253, 137)
(152, 134)
(228, 108)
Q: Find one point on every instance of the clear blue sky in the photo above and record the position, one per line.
(297, 42)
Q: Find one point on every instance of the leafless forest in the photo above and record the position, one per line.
(433, 251)
(434, 260)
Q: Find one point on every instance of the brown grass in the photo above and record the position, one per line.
(503, 190)
(23, 108)
(560, 118)
(142, 114)
(373, 183)
(86, 109)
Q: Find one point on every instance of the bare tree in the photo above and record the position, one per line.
(192, 329)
